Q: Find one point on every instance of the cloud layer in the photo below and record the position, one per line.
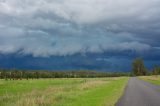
(46, 28)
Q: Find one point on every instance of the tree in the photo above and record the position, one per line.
(138, 67)
(156, 70)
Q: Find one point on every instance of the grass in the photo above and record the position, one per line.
(152, 79)
(62, 92)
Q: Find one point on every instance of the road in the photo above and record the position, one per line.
(140, 93)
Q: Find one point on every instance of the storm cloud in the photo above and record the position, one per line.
(47, 28)
(66, 27)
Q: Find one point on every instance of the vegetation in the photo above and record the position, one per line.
(156, 70)
(18, 74)
(152, 79)
(68, 88)
(138, 67)
(62, 92)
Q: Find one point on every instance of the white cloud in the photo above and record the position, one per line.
(86, 11)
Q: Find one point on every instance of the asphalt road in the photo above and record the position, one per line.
(140, 93)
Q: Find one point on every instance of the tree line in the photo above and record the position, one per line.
(138, 69)
(21, 74)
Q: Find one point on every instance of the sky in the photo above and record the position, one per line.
(79, 34)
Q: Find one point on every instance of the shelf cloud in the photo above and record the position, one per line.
(66, 27)
(46, 28)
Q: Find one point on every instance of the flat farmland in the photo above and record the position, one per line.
(62, 92)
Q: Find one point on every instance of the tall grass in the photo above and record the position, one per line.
(154, 79)
(62, 92)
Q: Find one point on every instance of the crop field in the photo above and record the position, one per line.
(62, 92)
(155, 79)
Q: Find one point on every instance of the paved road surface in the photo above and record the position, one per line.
(140, 93)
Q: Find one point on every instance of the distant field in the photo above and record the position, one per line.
(151, 79)
(62, 92)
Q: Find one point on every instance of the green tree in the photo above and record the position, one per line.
(156, 70)
(138, 67)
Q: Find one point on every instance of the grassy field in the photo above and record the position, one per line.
(62, 92)
(151, 79)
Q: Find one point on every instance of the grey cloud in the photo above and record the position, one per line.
(66, 27)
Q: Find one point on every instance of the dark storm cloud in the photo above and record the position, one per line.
(46, 28)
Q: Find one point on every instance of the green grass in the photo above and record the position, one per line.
(152, 79)
(62, 92)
